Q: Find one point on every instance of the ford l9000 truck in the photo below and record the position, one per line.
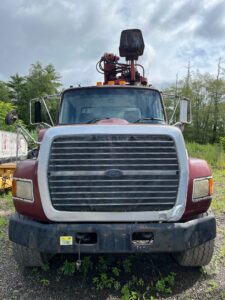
(112, 176)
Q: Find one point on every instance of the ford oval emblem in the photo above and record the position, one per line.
(113, 173)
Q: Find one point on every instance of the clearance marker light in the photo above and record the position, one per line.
(122, 82)
(111, 82)
(99, 83)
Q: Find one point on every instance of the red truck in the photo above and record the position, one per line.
(113, 176)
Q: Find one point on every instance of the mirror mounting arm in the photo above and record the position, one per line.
(26, 134)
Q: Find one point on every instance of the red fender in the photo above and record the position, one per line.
(197, 168)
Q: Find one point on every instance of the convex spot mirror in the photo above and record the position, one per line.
(11, 117)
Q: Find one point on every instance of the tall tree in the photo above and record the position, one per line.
(40, 81)
(207, 95)
(217, 90)
(4, 92)
(17, 86)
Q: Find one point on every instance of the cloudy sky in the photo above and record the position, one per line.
(73, 34)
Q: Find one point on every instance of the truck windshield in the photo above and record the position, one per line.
(87, 105)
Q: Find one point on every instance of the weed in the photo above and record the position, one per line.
(116, 271)
(125, 291)
(102, 264)
(68, 268)
(134, 295)
(34, 271)
(129, 294)
(45, 267)
(212, 286)
(140, 282)
(127, 265)
(103, 281)
(161, 287)
(86, 265)
(45, 282)
(164, 285)
(171, 278)
(117, 285)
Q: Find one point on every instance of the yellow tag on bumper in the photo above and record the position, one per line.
(66, 240)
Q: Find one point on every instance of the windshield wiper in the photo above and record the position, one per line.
(147, 119)
(96, 120)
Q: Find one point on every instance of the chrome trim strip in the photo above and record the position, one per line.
(101, 173)
(173, 214)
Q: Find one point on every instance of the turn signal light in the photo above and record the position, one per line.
(14, 188)
(210, 186)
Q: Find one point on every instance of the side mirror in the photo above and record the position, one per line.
(185, 111)
(11, 117)
(37, 112)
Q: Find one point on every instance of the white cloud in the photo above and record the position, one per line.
(73, 34)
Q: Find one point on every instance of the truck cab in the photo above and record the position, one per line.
(113, 176)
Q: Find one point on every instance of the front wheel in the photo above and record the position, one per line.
(27, 257)
(198, 256)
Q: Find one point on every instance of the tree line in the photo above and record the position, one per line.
(19, 90)
(207, 95)
(205, 91)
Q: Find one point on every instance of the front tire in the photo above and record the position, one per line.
(27, 257)
(198, 256)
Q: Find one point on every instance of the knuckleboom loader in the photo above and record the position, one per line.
(112, 176)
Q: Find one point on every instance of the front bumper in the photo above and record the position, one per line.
(114, 237)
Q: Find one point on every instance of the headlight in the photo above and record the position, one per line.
(23, 189)
(202, 188)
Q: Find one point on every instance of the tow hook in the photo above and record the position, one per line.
(78, 262)
(81, 238)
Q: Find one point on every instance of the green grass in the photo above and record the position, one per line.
(213, 154)
(6, 203)
(218, 203)
(4, 221)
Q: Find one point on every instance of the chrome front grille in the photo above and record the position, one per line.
(113, 173)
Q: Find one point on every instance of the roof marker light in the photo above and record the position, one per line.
(111, 82)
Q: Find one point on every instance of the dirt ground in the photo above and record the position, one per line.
(145, 277)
